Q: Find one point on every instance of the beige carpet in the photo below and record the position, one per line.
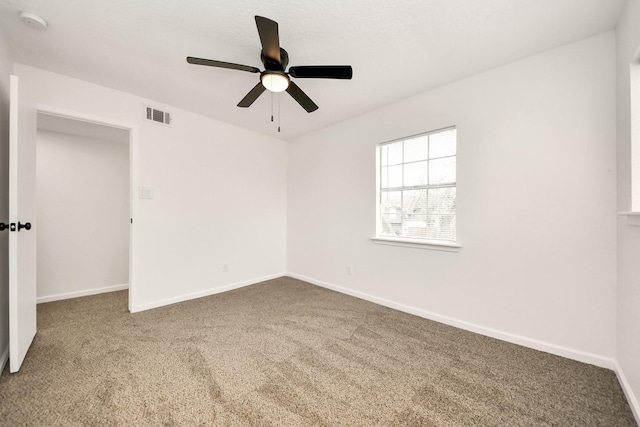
(284, 352)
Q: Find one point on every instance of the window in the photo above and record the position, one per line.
(633, 216)
(417, 188)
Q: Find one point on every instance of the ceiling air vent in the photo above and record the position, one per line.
(158, 116)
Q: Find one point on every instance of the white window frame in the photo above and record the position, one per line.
(633, 215)
(634, 71)
(420, 243)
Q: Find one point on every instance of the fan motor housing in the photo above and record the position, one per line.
(271, 65)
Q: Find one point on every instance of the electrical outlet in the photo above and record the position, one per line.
(349, 270)
(225, 268)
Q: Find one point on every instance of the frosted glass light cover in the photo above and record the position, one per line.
(275, 82)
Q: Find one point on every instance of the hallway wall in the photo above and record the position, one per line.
(83, 215)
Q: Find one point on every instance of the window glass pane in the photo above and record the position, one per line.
(431, 222)
(414, 207)
(391, 226)
(442, 227)
(442, 171)
(384, 155)
(441, 201)
(416, 226)
(391, 203)
(415, 174)
(391, 213)
(391, 177)
(414, 202)
(416, 149)
(447, 227)
(394, 156)
(442, 144)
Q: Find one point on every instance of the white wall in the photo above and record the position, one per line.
(536, 204)
(83, 215)
(628, 333)
(5, 71)
(219, 193)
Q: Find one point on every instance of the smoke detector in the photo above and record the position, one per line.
(34, 21)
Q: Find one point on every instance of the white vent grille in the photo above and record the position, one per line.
(158, 116)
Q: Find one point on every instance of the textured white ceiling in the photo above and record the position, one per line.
(397, 48)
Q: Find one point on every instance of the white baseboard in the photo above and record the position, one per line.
(200, 294)
(4, 358)
(84, 293)
(628, 392)
(569, 353)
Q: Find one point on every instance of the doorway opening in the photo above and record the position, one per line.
(83, 207)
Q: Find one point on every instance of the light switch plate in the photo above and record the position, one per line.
(145, 192)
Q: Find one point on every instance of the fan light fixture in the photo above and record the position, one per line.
(274, 81)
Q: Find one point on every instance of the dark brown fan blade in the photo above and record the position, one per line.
(321, 72)
(268, 31)
(301, 97)
(252, 95)
(221, 64)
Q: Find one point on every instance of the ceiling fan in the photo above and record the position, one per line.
(275, 60)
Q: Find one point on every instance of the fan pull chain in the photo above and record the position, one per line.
(271, 106)
(278, 114)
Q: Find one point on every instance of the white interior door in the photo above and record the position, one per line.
(22, 237)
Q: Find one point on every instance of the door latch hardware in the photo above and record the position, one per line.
(26, 225)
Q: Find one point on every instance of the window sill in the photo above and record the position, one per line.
(632, 217)
(434, 245)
